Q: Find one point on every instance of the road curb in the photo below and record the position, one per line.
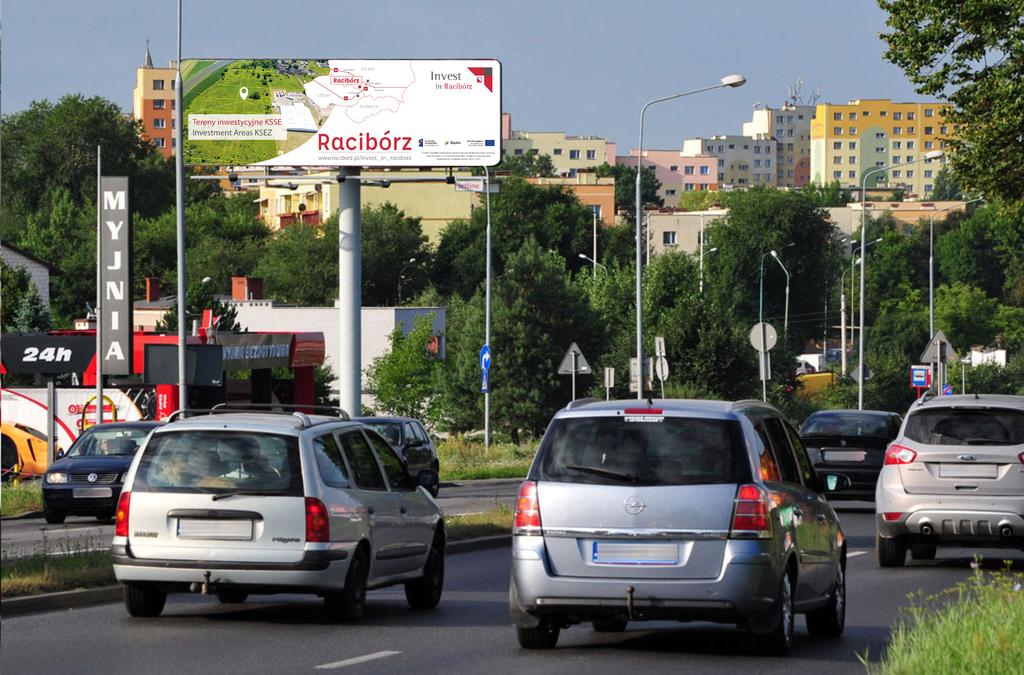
(52, 602)
(23, 516)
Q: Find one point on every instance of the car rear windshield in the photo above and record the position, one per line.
(847, 424)
(220, 461)
(654, 451)
(967, 426)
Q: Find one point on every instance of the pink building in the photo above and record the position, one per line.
(677, 174)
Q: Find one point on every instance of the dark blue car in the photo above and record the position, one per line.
(87, 479)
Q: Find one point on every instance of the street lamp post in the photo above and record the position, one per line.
(709, 252)
(842, 309)
(760, 321)
(401, 273)
(931, 262)
(594, 259)
(727, 81)
(785, 321)
(863, 249)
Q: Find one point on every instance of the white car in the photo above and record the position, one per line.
(239, 503)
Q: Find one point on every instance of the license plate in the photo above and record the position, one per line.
(843, 455)
(967, 470)
(91, 493)
(203, 528)
(630, 553)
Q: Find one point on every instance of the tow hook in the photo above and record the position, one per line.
(206, 582)
(630, 590)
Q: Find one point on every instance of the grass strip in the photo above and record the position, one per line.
(972, 628)
(51, 573)
(21, 498)
(496, 521)
(467, 460)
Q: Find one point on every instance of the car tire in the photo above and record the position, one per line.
(53, 516)
(232, 597)
(830, 620)
(892, 551)
(923, 551)
(779, 641)
(609, 624)
(348, 604)
(8, 458)
(542, 636)
(141, 601)
(437, 488)
(425, 592)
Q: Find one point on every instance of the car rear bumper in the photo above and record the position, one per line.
(746, 587)
(321, 568)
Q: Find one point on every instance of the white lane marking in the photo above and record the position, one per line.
(353, 661)
(854, 554)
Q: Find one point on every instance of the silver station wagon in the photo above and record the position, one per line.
(681, 510)
(239, 503)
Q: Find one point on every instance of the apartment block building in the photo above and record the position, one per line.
(153, 103)
(743, 161)
(676, 173)
(569, 154)
(790, 126)
(848, 140)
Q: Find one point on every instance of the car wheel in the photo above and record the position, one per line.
(8, 459)
(348, 603)
(437, 488)
(53, 516)
(141, 601)
(923, 551)
(610, 624)
(232, 597)
(892, 551)
(542, 636)
(830, 620)
(425, 592)
(779, 641)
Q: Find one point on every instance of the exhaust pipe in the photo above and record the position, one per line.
(1006, 531)
(927, 530)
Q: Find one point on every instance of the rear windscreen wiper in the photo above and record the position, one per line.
(597, 471)
(243, 493)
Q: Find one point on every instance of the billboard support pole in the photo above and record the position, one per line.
(487, 308)
(179, 190)
(99, 285)
(51, 413)
(349, 291)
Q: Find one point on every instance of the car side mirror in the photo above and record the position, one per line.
(60, 453)
(415, 443)
(429, 479)
(835, 482)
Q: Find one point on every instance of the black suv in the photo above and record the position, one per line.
(410, 440)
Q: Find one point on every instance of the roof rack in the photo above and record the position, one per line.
(928, 393)
(266, 408)
(576, 403)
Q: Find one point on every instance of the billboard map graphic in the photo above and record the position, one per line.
(336, 112)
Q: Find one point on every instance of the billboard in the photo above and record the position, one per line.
(116, 276)
(339, 112)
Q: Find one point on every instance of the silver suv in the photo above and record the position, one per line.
(954, 476)
(685, 510)
(239, 503)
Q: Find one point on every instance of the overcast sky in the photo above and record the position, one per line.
(584, 67)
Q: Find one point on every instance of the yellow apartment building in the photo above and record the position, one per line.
(850, 139)
(569, 154)
(153, 103)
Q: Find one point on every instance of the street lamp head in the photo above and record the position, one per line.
(934, 154)
(412, 260)
(775, 253)
(207, 280)
(711, 250)
(734, 80)
(583, 256)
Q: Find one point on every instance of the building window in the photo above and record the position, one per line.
(591, 154)
(757, 149)
(853, 145)
(158, 104)
(721, 162)
(709, 149)
(837, 145)
(159, 142)
(158, 85)
(534, 151)
(838, 131)
(687, 187)
(929, 112)
(852, 174)
(897, 115)
(789, 133)
(910, 130)
(883, 113)
(910, 145)
(673, 168)
(670, 193)
(866, 113)
(896, 173)
(159, 123)
(897, 130)
(942, 129)
(757, 178)
(880, 134)
(789, 146)
(927, 173)
(853, 115)
(705, 170)
(768, 162)
(910, 173)
(927, 187)
(928, 145)
(879, 149)
(721, 148)
(910, 115)
(837, 160)
(668, 238)
(852, 159)
(897, 145)
(837, 116)
(517, 152)
(174, 142)
(853, 131)
(688, 170)
(757, 163)
(837, 174)
(557, 152)
(574, 154)
(929, 131)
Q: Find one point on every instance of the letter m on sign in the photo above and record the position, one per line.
(114, 201)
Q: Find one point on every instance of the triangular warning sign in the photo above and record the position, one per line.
(570, 364)
(939, 349)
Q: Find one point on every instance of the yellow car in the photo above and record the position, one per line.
(24, 450)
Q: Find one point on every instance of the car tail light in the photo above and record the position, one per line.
(899, 454)
(527, 510)
(121, 519)
(318, 525)
(891, 516)
(644, 411)
(1021, 457)
(750, 516)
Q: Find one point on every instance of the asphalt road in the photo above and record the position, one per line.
(33, 535)
(470, 632)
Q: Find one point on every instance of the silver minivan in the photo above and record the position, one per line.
(239, 503)
(954, 476)
(673, 509)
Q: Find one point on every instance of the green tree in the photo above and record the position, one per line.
(527, 165)
(947, 186)
(830, 194)
(964, 252)
(15, 283)
(700, 200)
(300, 265)
(403, 379)
(32, 316)
(459, 262)
(966, 315)
(625, 187)
(390, 240)
(970, 53)
(1009, 323)
(201, 297)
